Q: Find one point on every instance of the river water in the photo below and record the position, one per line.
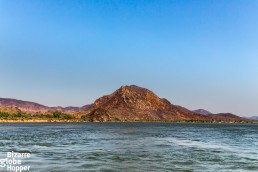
(133, 147)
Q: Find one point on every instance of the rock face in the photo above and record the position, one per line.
(133, 103)
(202, 111)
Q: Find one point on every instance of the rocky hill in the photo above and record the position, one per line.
(128, 103)
(133, 103)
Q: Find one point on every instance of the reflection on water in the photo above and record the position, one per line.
(133, 146)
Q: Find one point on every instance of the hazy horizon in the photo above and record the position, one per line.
(196, 54)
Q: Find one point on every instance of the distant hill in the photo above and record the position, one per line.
(227, 117)
(85, 107)
(32, 107)
(221, 116)
(253, 117)
(23, 105)
(202, 111)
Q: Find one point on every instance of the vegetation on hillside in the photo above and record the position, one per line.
(11, 113)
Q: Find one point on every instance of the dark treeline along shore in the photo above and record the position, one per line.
(127, 104)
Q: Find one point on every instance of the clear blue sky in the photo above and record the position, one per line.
(198, 54)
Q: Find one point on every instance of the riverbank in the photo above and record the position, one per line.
(79, 120)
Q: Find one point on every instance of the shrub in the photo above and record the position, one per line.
(25, 115)
(48, 116)
(68, 116)
(84, 118)
(57, 114)
(4, 115)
